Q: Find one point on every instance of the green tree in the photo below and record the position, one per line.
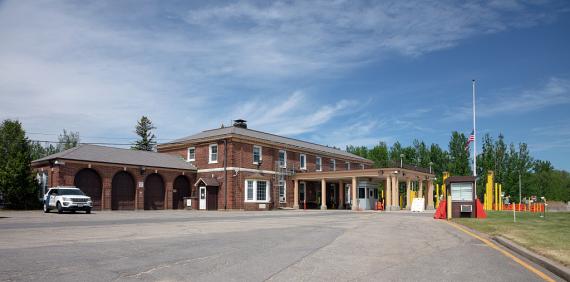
(379, 154)
(395, 152)
(500, 158)
(17, 185)
(422, 154)
(147, 140)
(458, 156)
(440, 160)
(67, 140)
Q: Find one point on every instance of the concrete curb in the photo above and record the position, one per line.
(552, 266)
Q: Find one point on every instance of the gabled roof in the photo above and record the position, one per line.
(243, 132)
(103, 154)
(208, 181)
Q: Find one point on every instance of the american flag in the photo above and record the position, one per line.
(470, 139)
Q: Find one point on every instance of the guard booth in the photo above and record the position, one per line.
(462, 193)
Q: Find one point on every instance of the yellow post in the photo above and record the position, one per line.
(489, 190)
(500, 195)
(436, 195)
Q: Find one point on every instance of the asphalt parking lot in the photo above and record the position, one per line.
(245, 246)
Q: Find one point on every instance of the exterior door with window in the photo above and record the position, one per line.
(202, 198)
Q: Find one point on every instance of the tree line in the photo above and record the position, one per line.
(538, 177)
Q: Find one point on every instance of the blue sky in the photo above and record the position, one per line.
(331, 72)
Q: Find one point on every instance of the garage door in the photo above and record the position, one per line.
(154, 192)
(89, 181)
(123, 192)
(181, 190)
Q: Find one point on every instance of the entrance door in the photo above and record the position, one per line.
(181, 189)
(332, 197)
(202, 198)
(212, 198)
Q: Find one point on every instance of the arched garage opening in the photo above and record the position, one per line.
(181, 190)
(89, 181)
(123, 191)
(154, 192)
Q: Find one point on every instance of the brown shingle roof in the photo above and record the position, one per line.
(103, 154)
(238, 131)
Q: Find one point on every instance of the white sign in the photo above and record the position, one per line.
(141, 184)
(189, 202)
(418, 205)
(262, 206)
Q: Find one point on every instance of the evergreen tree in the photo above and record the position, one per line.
(395, 152)
(440, 160)
(18, 187)
(459, 157)
(147, 140)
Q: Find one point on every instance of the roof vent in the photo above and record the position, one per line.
(240, 123)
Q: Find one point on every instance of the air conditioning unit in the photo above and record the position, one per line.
(281, 199)
(466, 208)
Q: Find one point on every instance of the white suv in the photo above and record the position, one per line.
(67, 198)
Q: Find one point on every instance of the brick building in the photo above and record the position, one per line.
(232, 168)
(119, 179)
(247, 169)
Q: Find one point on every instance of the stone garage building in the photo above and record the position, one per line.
(120, 179)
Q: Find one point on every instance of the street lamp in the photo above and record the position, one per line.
(430, 164)
(401, 160)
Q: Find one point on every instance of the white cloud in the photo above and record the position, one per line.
(556, 91)
(292, 115)
(97, 67)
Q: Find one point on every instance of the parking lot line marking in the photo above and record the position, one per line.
(507, 254)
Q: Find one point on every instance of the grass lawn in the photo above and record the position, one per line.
(548, 236)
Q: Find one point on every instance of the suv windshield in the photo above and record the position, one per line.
(70, 192)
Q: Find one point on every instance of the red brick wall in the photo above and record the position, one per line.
(240, 155)
(64, 175)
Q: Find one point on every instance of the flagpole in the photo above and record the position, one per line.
(474, 142)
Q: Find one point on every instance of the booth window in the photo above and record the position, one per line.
(361, 193)
(462, 191)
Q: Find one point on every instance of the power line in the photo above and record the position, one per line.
(95, 137)
(93, 143)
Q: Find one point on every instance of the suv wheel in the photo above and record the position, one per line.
(59, 207)
(88, 211)
(46, 209)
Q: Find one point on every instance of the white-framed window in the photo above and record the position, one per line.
(282, 158)
(462, 191)
(282, 191)
(302, 161)
(256, 191)
(213, 153)
(191, 154)
(257, 155)
(332, 165)
(318, 164)
(347, 165)
(249, 190)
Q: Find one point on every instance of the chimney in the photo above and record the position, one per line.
(240, 123)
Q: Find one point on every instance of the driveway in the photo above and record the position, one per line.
(245, 246)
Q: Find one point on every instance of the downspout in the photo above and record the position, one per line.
(225, 174)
